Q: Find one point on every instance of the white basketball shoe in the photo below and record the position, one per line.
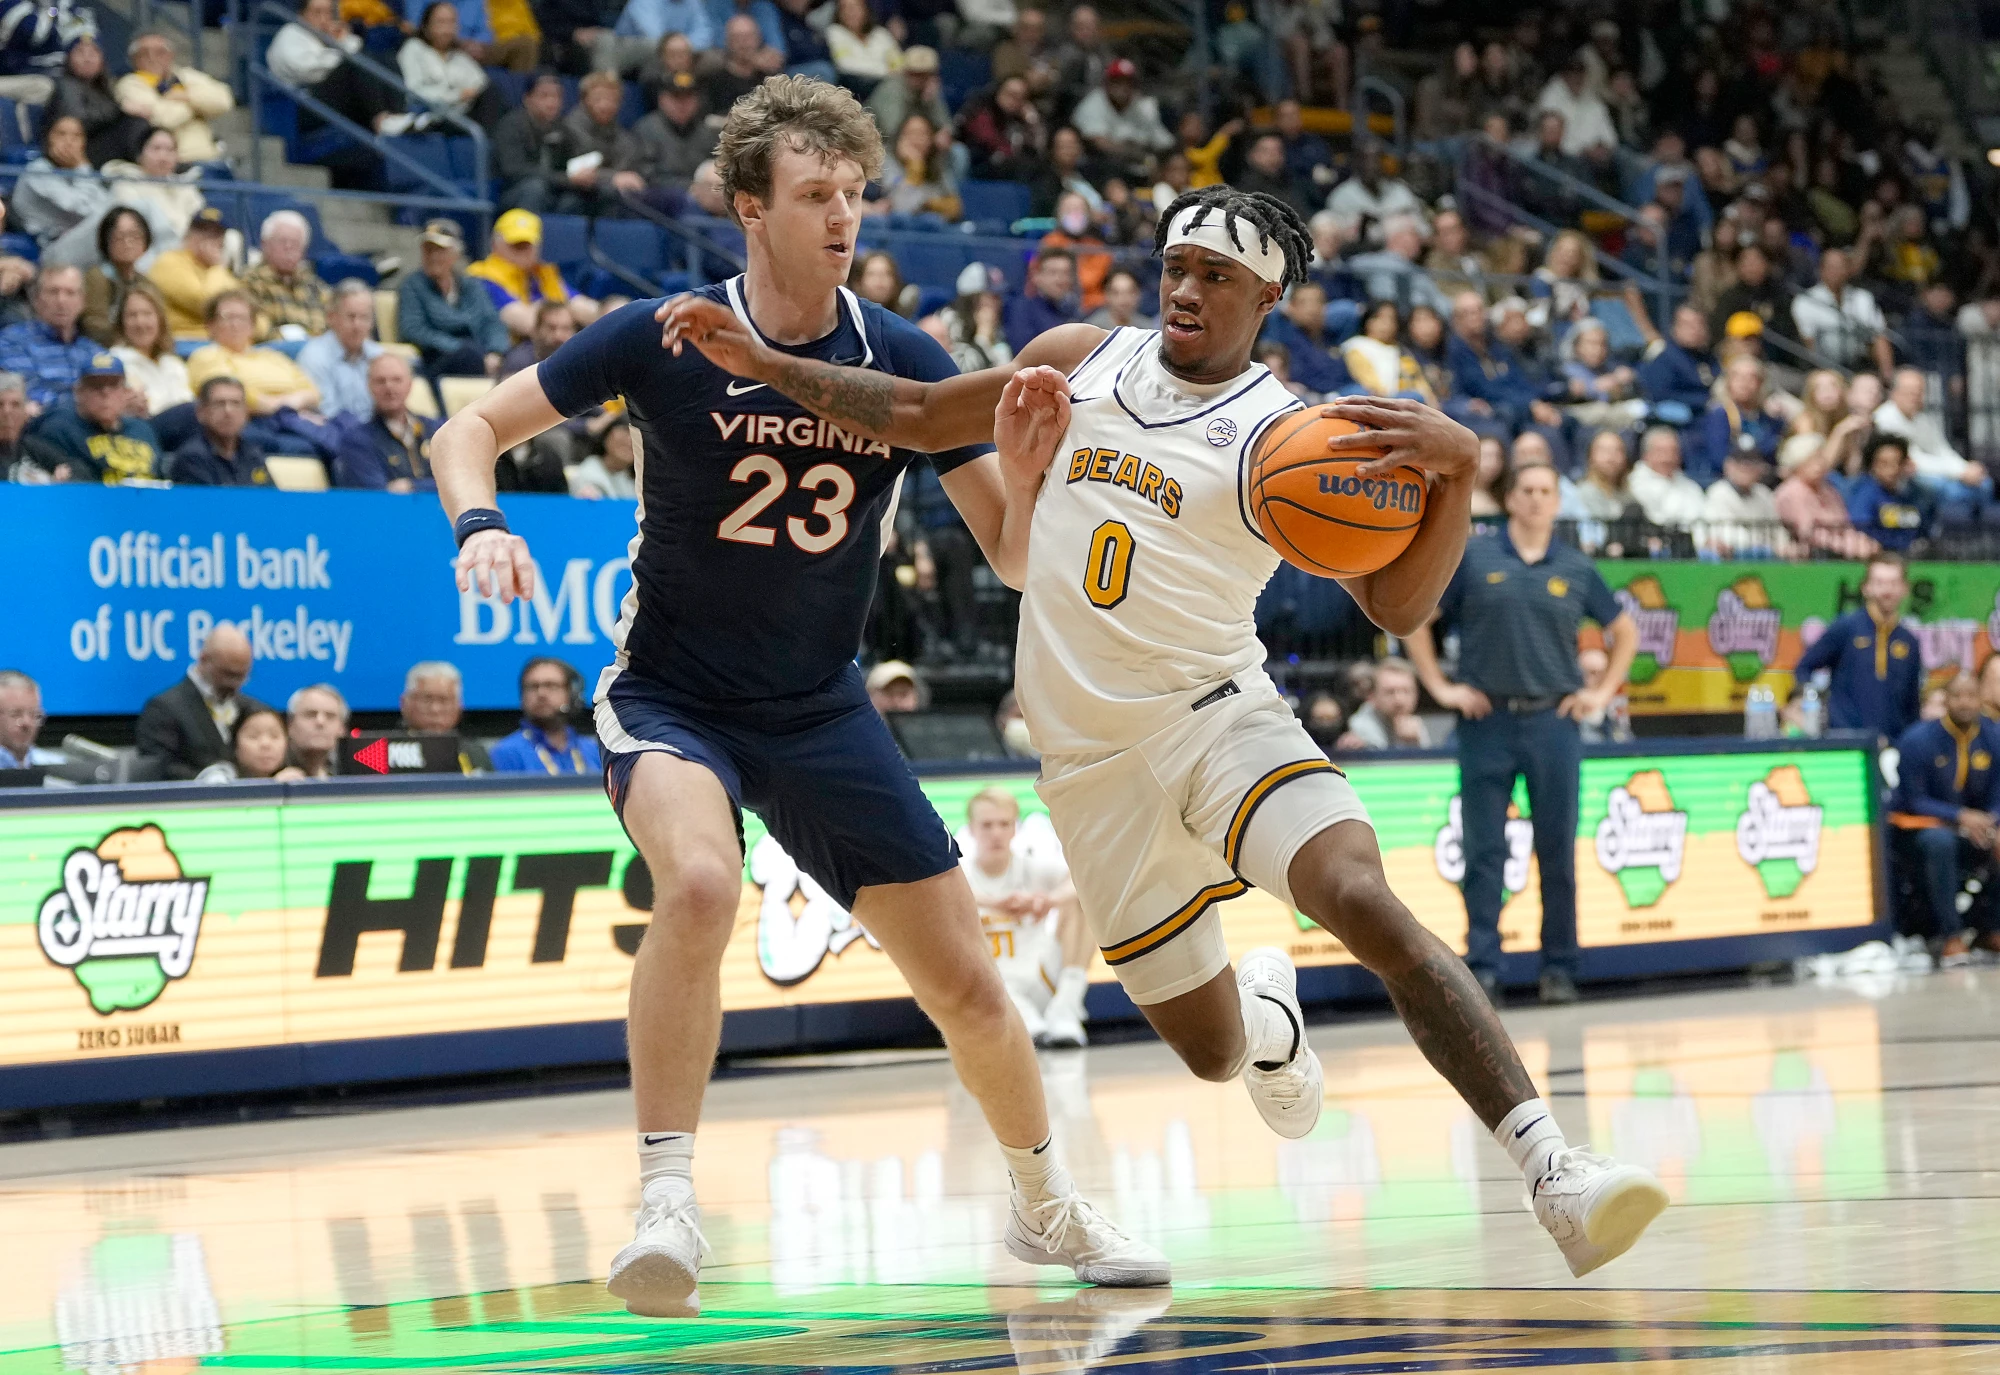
(1287, 1097)
(1062, 1019)
(658, 1270)
(1595, 1207)
(1064, 1229)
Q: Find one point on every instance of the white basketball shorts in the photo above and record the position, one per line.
(1156, 835)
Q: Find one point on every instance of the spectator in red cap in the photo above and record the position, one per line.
(1121, 126)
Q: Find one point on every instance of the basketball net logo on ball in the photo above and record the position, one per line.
(1318, 512)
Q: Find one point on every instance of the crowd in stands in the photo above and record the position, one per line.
(1699, 262)
(205, 727)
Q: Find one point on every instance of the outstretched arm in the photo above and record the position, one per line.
(1401, 596)
(929, 417)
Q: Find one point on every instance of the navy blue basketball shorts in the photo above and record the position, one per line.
(820, 770)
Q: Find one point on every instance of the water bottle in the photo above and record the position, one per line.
(1760, 713)
(1812, 715)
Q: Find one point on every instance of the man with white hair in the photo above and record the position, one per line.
(292, 302)
(315, 719)
(337, 361)
(1668, 496)
(21, 719)
(433, 701)
(1394, 272)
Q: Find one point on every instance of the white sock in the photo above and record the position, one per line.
(1070, 985)
(1531, 1138)
(1037, 1171)
(1271, 1037)
(666, 1155)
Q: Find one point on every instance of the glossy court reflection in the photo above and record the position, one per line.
(1827, 1155)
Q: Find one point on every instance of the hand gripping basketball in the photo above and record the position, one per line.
(1332, 512)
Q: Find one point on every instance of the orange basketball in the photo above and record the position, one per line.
(1317, 513)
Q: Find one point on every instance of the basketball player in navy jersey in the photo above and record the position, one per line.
(734, 685)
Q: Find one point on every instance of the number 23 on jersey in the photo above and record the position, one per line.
(831, 483)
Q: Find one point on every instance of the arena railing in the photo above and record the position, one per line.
(1714, 540)
(245, 196)
(251, 19)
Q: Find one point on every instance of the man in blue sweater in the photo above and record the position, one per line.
(1679, 371)
(1050, 299)
(1944, 802)
(1877, 664)
(1301, 327)
(1489, 373)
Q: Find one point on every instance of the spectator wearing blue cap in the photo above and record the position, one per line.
(97, 442)
(219, 455)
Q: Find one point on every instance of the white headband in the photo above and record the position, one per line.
(1261, 255)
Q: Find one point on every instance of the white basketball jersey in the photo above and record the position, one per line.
(1143, 564)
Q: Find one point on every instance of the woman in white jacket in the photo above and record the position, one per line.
(443, 75)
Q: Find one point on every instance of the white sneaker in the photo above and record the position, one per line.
(1595, 1207)
(657, 1271)
(1062, 1028)
(1067, 1230)
(1287, 1097)
(1031, 1018)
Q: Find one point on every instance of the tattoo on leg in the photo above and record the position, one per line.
(855, 397)
(1460, 1034)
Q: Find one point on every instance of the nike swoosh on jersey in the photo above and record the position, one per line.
(734, 390)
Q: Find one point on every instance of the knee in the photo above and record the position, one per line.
(971, 1003)
(701, 896)
(1365, 915)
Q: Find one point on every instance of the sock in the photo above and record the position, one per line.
(1271, 1034)
(1037, 1171)
(1531, 1138)
(1070, 985)
(666, 1155)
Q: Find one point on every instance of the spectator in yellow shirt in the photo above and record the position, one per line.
(166, 96)
(517, 279)
(271, 381)
(190, 276)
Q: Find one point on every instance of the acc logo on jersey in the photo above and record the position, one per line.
(1222, 432)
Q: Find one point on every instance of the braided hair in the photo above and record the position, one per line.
(1273, 220)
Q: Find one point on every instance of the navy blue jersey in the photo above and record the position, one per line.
(760, 525)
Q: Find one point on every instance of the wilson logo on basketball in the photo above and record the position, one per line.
(125, 919)
(1385, 494)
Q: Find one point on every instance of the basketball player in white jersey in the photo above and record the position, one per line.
(1029, 910)
(1174, 773)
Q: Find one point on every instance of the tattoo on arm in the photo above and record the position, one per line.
(1460, 1034)
(859, 398)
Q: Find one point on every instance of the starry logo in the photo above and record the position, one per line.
(1743, 630)
(1643, 837)
(1222, 432)
(1777, 833)
(125, 919)
(1659, 626)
